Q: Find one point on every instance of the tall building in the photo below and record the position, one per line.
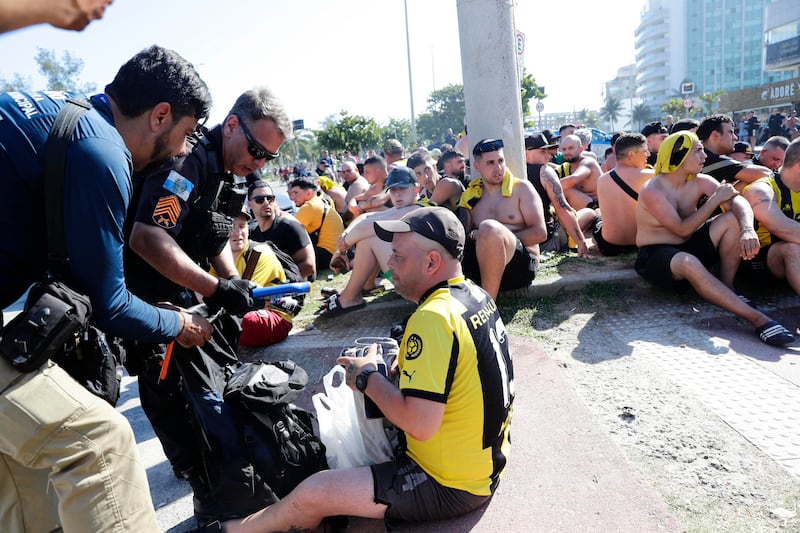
(660, 51)
(782, 27)
(725, 44)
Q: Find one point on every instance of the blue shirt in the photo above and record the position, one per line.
(97, 193)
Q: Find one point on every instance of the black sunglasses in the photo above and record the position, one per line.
(489, 145)
(254, 147)
(261, 197)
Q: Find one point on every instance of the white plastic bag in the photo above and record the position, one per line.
(350, 438)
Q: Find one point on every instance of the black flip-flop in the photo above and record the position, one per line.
(333, 308)
(774, 334)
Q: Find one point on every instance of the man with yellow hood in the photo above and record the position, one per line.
(679, 236)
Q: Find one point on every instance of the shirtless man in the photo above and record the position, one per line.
(356, 185)
(579, 177)
(505, 223)
(374, 198)
(778, 229)
(544, 180)
(618, 192)
(772, 153)
(677, 241)
(441, 190)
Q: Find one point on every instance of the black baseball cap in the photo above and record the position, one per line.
(438, 224)
(400, 177)
(537, 140)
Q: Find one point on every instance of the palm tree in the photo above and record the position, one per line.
(640, 113)
(611, 109)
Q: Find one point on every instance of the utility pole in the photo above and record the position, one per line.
(491, 77)
(410, 85)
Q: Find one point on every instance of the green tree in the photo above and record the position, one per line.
(640, 114)
(303, 146)
(529, 90)
(446, 109)
(16, 83)
(399, 129)
(589, 119)
(710, 101)
(674, 106)
(63, 74)
(351, 132)
(611, 110)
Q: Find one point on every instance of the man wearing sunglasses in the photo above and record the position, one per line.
(179, 225)
(505, 222)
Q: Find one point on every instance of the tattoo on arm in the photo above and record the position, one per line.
(558, 193)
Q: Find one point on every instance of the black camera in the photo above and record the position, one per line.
(230, 200)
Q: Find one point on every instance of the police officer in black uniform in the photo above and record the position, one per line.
(179, 224)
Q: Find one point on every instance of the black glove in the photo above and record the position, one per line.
(235, 296)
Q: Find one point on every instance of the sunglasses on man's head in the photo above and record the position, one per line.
(261, 197)
(489, 145)
(254, 147)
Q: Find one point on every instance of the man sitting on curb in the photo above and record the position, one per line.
(776, 207)
(320, 219)
(260, 264)
(618, 192)
(371, 253)
(677, 241)
(544, 180)
(453, 402)
(505, 223)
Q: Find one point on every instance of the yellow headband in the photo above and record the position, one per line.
(674, 151)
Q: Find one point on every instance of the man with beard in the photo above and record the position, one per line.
(544, 180)
(59, 442)
(455, 166)
(772, 153)
(281, 229)
(180, 223)
(655, 133)
(718, 138)
(578, 175)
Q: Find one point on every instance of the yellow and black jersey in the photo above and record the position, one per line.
(788, 201)
(455, 351)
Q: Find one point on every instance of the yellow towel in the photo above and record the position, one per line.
(474, 190)
(674, 151)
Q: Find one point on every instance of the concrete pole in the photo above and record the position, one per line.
(410, 84)
(491, 80)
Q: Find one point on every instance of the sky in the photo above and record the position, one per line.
(324, 56)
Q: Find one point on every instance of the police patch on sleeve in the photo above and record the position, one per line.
(166, 212)
(178, 185)
(413, 346)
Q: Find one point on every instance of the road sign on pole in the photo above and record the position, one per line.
(520, 47)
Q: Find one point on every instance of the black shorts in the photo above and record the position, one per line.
(323, 258)
(519, 272)
(414, 496)
(653, 260)
(609, 249)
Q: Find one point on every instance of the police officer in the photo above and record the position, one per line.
(181, 222)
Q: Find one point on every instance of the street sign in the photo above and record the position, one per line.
(539, 106)
(298, 125)
(519, 44)
(687, 87)
(688, 103)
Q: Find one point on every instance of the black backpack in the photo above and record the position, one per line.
(277, 435)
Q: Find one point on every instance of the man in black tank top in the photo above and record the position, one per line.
(546, 183)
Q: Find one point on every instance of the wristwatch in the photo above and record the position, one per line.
(361, 379)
